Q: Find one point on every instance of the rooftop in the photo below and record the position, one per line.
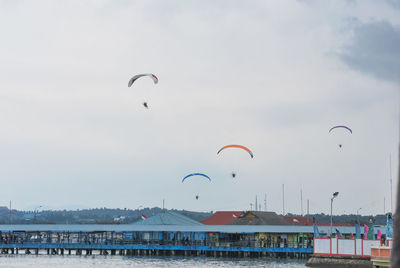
(259, 218)
(168, 218)
(222, 217)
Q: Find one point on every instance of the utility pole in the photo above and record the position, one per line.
(283, 199)
(301, 200)
(163, 204)
(335, 194)
(265, 202)
(256, 204)
(384, 206)
(308, 206)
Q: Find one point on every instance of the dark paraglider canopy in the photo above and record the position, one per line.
(197, 197)
(233, 174)
(145, 105)
(345, 127)
(134, 78)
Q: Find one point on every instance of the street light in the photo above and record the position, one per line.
(358, 212)
(335, 194)
(35, 211)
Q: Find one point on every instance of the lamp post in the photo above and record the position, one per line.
(358, 213)
(335, 194)
(35, 213)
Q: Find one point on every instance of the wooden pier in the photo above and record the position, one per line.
(153, 250)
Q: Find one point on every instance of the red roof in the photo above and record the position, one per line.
(309, 221)
(222, 217)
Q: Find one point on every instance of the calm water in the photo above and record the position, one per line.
(123, 261)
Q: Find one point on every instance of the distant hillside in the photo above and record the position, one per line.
(378, 219)
(122, 216)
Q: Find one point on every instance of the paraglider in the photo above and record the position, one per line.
(233, 173)
(135, 77)
(236, 146)
(196, 174)
(344, 127)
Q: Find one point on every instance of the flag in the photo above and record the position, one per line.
(358, 230)
(366, 228)
(143, 217)
(338, 234)
(371, 231)
(316, 232)
(389, 226)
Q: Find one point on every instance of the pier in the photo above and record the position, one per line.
(213, 241)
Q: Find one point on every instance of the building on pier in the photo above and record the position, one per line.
(235, 239)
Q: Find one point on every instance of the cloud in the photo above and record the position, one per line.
(375, 50)
(255, 74)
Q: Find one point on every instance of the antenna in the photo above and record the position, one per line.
(308, 206)
(163, 204)
(283, 199)
(256, 203)
(265, 202)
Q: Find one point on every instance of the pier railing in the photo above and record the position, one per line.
(135, 240)
(344, 247)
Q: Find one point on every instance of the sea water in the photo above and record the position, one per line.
(97, 261)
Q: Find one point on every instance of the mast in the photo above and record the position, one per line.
(391, 183)
(301, 200)
(283, 199)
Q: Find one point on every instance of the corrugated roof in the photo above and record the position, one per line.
(260, 218)
(222, 217)
(168, 218)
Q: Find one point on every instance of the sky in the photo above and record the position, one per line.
(274, 76)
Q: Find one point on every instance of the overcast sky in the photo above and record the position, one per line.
(272, 75)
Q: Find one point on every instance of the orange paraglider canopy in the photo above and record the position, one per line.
(237, 146)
